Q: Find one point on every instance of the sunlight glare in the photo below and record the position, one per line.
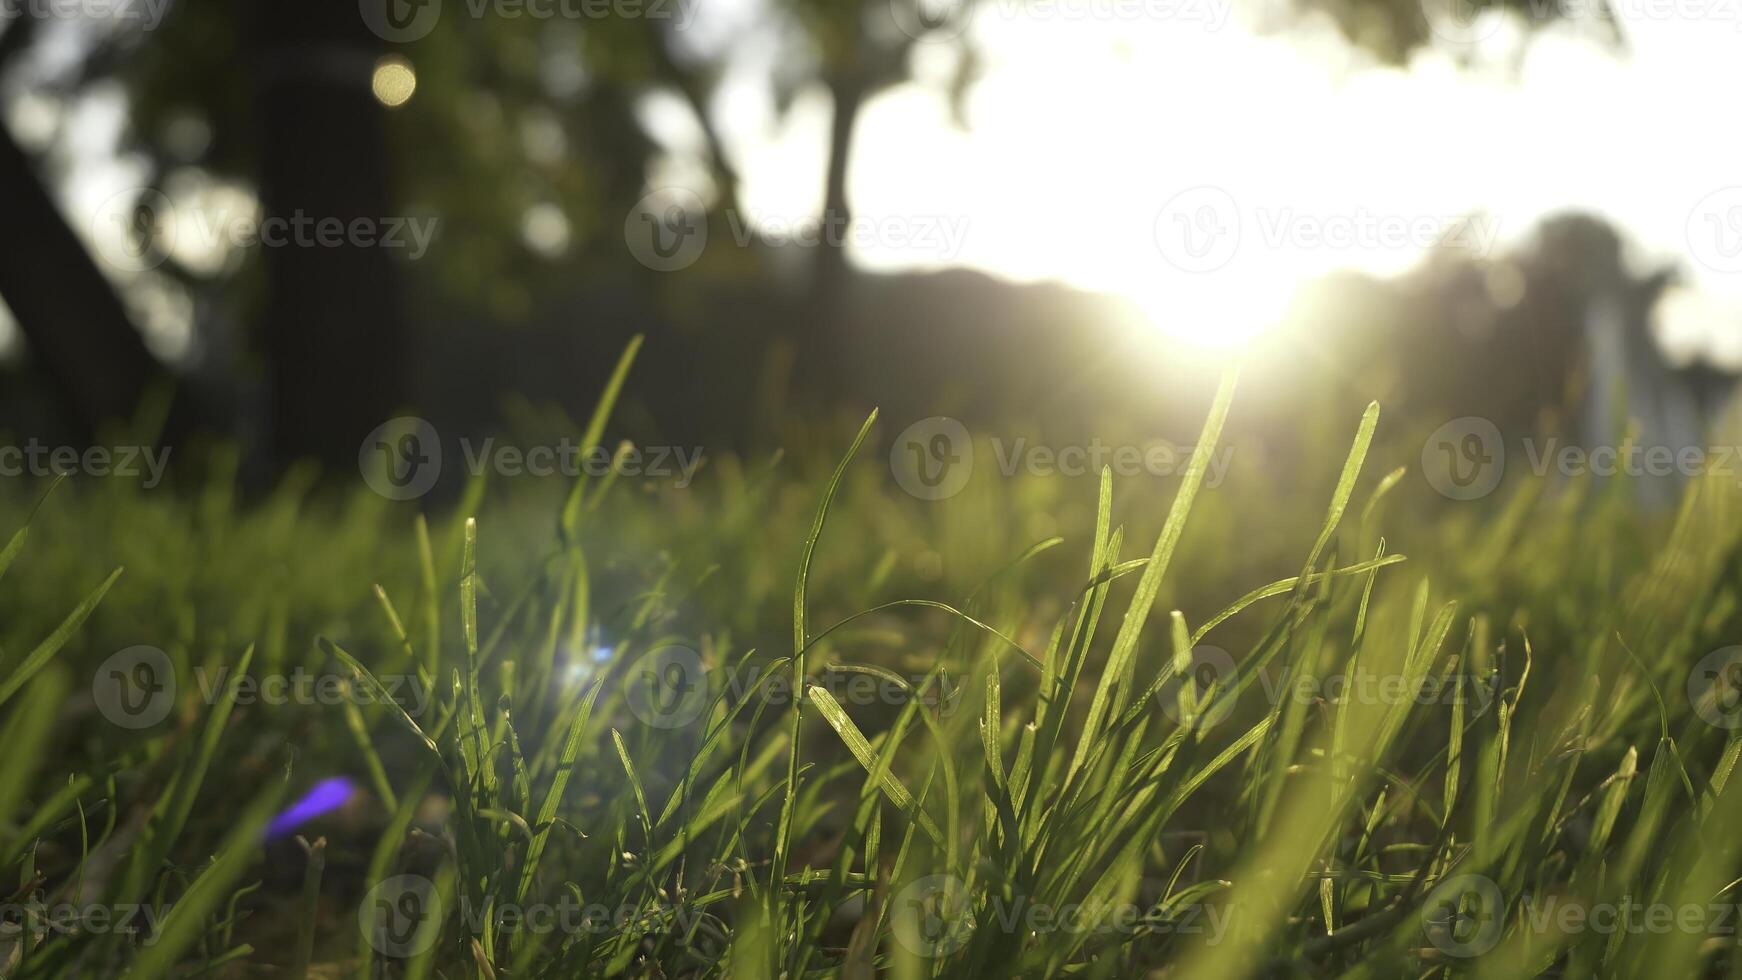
(1077, 140)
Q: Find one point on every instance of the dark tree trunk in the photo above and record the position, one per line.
(831, 259)
(821, 347)
(76, 326)
(334, 334)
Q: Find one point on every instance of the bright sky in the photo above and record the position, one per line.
(1206, 171)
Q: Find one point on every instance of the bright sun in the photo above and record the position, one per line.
(1213, 314)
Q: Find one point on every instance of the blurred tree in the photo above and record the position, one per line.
(56, 292)
(528, 137)
(856, 49)
(333, 332)
(1391, 30)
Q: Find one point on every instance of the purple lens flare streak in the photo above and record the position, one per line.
(326, 796)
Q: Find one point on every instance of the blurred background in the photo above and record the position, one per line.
(282, 224)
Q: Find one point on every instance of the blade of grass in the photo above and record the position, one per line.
(186, 920)
(800, 638)
(572, 508)
(46, 650)
(1109, 701)
(855, 741)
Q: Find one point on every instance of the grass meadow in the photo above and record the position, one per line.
(789, 721)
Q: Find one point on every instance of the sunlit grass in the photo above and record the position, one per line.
(1400, 761)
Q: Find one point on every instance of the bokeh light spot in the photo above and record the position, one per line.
(394, 81)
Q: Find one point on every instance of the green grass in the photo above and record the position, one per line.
(1017, 751)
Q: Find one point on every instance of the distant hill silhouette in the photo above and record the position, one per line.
(1535, 341)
